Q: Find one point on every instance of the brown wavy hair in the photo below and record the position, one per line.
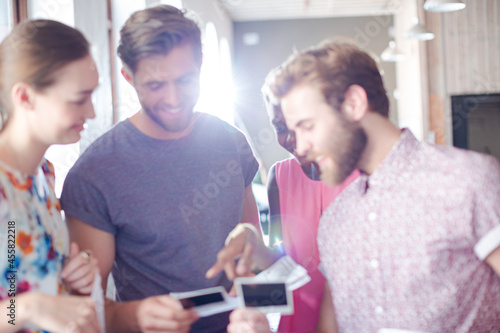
(332, 66)
(157, 30)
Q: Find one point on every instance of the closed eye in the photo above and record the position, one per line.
(153, 85)
(306, 125)
(186, 80)
(81, 101)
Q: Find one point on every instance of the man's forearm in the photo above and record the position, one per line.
(122, 317)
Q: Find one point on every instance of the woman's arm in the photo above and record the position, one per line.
(56, 314)
(327, 322)
(273, 195)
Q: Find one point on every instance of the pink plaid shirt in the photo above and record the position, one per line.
(404, 247)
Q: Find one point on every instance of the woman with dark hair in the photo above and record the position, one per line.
(47, 77)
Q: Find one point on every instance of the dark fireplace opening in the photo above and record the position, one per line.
(476, 123)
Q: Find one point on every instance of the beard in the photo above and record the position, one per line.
(345, 152)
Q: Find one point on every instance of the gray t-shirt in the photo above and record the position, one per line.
(169, 203)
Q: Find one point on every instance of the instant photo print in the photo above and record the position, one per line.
(265, 296)
(207, 302)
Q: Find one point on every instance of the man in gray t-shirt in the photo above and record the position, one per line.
(155, 197)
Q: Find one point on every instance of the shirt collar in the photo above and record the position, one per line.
(396, 164)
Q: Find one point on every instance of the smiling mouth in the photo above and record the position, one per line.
(78, 127)
(171, 111)
(174, 111)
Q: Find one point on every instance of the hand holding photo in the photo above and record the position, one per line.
(207, 302)
(265, 296)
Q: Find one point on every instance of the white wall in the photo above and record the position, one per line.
(127, 102)
(410, 74)
(5, 18)
(59, 10)
(210, 11)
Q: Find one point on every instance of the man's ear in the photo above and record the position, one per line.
(127, 74)
(23, 95)
(355, 104)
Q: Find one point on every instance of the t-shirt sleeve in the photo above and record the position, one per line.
(82, 198)
(249, 163)
(486, 210)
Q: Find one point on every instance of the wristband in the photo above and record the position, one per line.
(238, 229)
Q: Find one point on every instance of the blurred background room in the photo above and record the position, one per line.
(440, 61)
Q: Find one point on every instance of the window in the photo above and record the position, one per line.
(216, 97)
(6, 18)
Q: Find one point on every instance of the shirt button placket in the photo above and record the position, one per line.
(374, 264)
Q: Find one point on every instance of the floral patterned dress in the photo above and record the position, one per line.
(33, 236)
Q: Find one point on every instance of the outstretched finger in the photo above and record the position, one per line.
(229, 269)
(225, 258)
(245, 264)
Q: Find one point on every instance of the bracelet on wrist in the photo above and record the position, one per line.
(239, 228)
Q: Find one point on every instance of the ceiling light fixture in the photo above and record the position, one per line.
(419, 31)
(391, 54)
(443, 5)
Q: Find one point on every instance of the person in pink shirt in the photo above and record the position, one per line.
(297, 198)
